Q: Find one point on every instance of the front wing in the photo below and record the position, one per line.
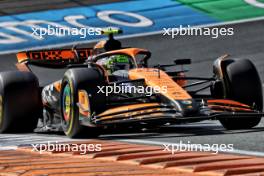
(161, 113)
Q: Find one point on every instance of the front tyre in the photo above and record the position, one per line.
(86, 79)
(242, 83)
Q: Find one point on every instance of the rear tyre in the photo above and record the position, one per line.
(242, 83)
(20, 102)
(81, 79)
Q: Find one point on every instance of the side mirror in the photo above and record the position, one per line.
(183, 61)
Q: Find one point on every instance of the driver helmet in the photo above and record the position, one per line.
(117, 62)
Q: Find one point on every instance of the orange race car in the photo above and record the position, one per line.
(108, 86)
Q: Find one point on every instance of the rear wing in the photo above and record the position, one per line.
(55, 58)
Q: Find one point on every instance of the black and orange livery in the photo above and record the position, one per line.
(73, 104)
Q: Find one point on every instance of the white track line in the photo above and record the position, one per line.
(133, 35)
(235, 151)
(8, 148)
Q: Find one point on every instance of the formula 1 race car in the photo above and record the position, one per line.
(109, 86)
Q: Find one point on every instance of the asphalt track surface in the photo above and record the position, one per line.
(247, 42)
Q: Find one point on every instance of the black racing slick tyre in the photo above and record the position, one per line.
(242, 84)
(76, 79)
(20, 102)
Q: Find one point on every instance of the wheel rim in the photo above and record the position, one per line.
(67, 103)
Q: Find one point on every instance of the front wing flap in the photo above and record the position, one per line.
(155, 112)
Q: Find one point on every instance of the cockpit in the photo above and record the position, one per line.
(116, 62)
